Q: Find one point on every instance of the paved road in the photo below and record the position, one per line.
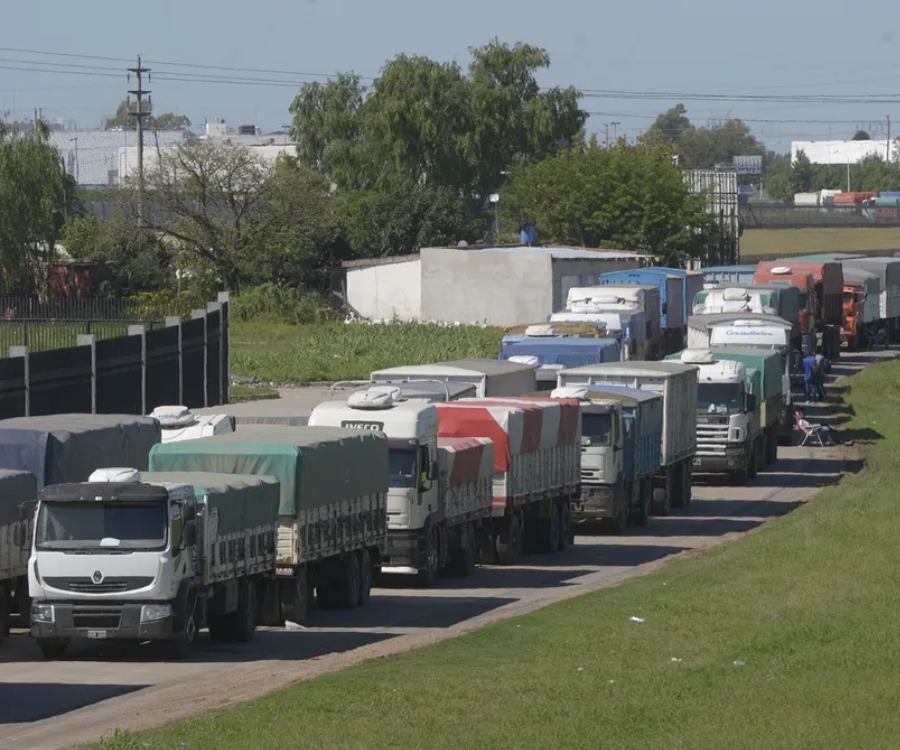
(45, 706)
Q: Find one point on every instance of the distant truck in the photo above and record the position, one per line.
(55, 449)
(888, 272)
(623, 298)
(440, 494)
(180, 423)
(332, 516)
(632, 330)
(671, 299)
(809, 302)
(490, 377)
(861, 309)
(759, 333)
(151, 558)
(549, 354)
(621, 440)
(733, 275)
(677, 383)
(729, 436)
(536, 473)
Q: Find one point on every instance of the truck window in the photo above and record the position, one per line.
(849, 298)
(804, 300)
(81, 526)
(595, 429)
(719, 398)
(403, 467)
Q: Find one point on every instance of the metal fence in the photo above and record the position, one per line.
(182, 360)
(789, 216)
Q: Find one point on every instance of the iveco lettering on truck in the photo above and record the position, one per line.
(440, 492)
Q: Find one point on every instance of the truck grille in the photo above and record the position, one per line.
(711, 439)
(96, 619)
(83, 584)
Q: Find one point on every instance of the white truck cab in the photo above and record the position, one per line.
(180, 423)
(733, 300)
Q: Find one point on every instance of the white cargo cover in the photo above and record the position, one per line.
(676, 382)
(619, 298)
(466, 467)
(888, 272)
(737, 329)
(491, 377)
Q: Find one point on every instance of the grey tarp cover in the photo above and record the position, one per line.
(16, 487)
(243, 502)
(316, 466)
(69, 447)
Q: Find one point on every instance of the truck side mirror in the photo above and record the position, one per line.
(189, 534)
(433, 470)
(188, 513)
(751, 402)
(20, 536)
(26, 510)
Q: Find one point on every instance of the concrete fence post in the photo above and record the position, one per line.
(89, 339)
(139, 330)
(197, 315)
(224, 299)
(211, 308)
(175, 321)
(22, 351)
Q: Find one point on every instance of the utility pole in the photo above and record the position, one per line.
(139, 112)
(888, 138)
(606, 127)
(75, 141)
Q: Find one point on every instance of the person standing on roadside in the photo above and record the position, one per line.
(809, 367)
(819, 376)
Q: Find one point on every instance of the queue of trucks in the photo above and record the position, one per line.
(129, 528)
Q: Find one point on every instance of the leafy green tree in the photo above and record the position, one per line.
(861, 135)
(627, 196)
(670, 126)
(121, 120)
(705, 148)
(37, 195)
(426, 121)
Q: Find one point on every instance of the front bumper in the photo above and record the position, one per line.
(733, 459)
(596, 501)
(405, 552)
(103, 622)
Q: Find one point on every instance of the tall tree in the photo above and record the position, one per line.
(428, 121)
(121, 120)
(670, 126)
(626, 196)
(37, 195)
(704, 148)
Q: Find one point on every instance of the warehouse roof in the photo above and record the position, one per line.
(555, 252)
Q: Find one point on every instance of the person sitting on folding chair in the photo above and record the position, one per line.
(821, 433)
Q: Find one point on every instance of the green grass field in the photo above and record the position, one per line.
(786, 638)
(339, 351)
(796, 241)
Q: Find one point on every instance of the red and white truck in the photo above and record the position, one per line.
(537, 468)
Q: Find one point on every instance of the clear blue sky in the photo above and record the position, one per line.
(762, 49)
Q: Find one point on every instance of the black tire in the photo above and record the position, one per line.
(661, 503)
(738, 478)
(270, 603)
(52, 649)
(549, 531)
(487, 543)
(365, 577)
(772, 447)
(641, 515)
(616, 525)
(566, 532)
(347, 580)
(465, 559)
(509, 540)
(428, 574)
(687, 485)
(293, 597)
(752, 468)
(4, 613)
(182, 645)
(245, 617)
(677, 485)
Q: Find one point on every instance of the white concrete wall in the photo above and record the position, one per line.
(386, 291)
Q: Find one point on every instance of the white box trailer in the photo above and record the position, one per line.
(678, 384)
(491, 377)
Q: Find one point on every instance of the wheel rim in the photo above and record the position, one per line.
(190, 629)
(432, 553)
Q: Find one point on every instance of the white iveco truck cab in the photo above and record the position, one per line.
(440, 489)
(727, 418)
(180, 423)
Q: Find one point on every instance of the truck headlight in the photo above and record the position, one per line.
(43, 613)
(155, 612)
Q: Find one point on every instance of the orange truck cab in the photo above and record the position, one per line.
(860, 310)
(803, 336)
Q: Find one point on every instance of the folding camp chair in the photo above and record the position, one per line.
(812, 433)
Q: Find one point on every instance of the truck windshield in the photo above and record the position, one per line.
(849, 298)
(82, 525)
(595, 429)
(719, 398)
(403, 467)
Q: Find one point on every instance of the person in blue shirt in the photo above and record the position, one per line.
(809, 377)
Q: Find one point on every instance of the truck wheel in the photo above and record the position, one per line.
(245, 617)
(270, 604)
(365, 578)
(566, 536)
(294, 597)
(661, 503)
(641, 515)
(616, 525)
(487, 543)
(687, 485)
(465, 558)
(427, 576)
(549, 531)
(509, 540)
(676, 482)
(183, 643)
(752, 468)
(772, 447)
(347, 580)
(738, 478)
(4, 613)
(52, 649)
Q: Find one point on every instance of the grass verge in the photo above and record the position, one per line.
(339, 351)
(842, 240)
(241, 394)
(786, 638)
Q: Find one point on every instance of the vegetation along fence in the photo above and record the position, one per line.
(119, 364)
(789, 216)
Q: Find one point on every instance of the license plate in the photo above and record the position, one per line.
(696, 462)
(96, 634)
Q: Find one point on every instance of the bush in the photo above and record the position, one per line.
(271, 303)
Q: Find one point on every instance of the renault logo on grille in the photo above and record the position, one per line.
(97, 577)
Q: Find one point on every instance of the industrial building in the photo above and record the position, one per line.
(498, 286)
(842, 153)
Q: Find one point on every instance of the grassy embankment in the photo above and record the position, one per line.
(838, 240)
(787, 638)
(338, 351)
